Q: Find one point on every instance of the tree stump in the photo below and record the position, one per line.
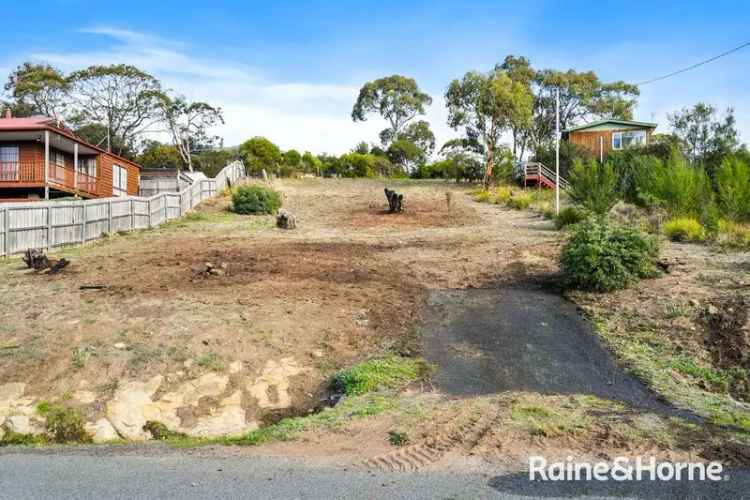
(35, 259)
(395, 201)
(285, 220)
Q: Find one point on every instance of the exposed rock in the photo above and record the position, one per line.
(235, 366)
(210, 384)
(285, 219)
(102, 431)
(275, 380)
(120, 345)
(132, 406)
(12, 401)
(22, 424)
(227, 419)
(85, 397)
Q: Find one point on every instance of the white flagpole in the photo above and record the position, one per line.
(557, 151)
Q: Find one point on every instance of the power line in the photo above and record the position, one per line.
(696, 65)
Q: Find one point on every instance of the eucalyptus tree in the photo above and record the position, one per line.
(396, 98)
(124, 99)
(188, 124)
(38, 89)
(485, 105)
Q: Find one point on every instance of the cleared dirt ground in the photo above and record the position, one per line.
(293, 307)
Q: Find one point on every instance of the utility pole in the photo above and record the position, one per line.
(557, 151)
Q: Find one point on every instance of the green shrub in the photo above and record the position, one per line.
(503, 194)
(384, 373)
(569, 216)
(593, 186)
(733, 188)
(255, 200)
(482, 196)
(161, 432)
(520, 200)
(684, 229)
(674, 185)
(733, 235)
(64, 425)
(603, 256)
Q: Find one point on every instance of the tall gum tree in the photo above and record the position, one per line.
(396, 98)
(487, 104)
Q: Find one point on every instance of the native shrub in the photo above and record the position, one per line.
(593, 186)
(603, 256)
(733, 188)
(684, 229)
(674, 185)
(255, 200)
(569, 216)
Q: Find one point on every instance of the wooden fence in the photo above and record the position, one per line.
(51, 224)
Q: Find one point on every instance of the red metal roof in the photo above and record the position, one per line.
(30, 123)
(47, 123)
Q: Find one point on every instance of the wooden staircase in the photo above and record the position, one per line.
(537, 174)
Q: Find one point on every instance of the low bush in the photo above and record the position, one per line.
(520, 200)
(604, 256)
(384, 373)
(733, 235)
(255, 200)
(503, 194)
(684, 229)
(63, 424)
(569, 216)
(594, 186)
(483, 196)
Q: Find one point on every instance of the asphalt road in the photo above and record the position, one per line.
(178, 475)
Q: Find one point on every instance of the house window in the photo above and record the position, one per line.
(622, 140)
(119, 181)
(57, 158)
(87, 166)
(8, 163)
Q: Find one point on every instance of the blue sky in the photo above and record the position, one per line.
(291, 70)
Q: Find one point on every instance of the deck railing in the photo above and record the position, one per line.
(21, 171)
(32, 172)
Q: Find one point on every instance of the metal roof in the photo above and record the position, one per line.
(613, 121)
(53, 125)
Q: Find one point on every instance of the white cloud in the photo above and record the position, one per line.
(297, 114)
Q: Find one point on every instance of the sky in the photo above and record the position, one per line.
(291, 71)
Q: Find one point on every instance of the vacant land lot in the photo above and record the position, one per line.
(160, 339)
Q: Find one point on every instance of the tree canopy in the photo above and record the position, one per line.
(396, 98)
(188, 124)
(259, 153)
(123, 98)
(485, 105)
(38, 89)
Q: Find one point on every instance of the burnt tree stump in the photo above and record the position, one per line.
(395, 201)
(35, 259)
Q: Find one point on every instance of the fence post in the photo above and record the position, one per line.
(109, 212)
(166, 207)
(132, 214)
(49, 227)
(150, 225)
(6, 231)
(84, 222)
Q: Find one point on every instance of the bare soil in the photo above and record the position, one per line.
(349, 283)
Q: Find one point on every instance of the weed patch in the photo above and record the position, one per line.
(386, 373)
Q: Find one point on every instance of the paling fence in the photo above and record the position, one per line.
(51, 224)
